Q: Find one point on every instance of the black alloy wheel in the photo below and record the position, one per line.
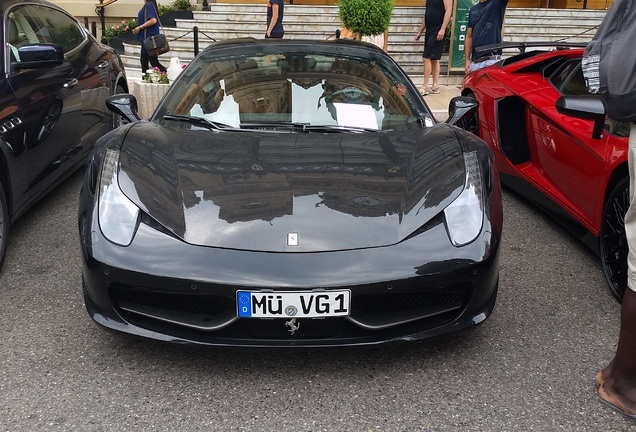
(470, 123)
(613, 241)
(4, 225)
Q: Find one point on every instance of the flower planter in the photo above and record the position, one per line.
(118, 42)
(148, 97)
(170, 19)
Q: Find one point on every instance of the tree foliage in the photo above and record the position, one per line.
(366, 17)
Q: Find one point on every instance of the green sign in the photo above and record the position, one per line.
(458, 33)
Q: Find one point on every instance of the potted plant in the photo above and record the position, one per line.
(115, 35)
(150, 90)
(366, 17)
(178, 9)
(447, 36)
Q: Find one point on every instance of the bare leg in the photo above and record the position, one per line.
(435, 72)
(619, 385)
(427, 71)
(618, 380)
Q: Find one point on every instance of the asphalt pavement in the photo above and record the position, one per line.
(438, 103)
(529, 367)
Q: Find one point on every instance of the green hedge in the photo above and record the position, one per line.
(366, 17)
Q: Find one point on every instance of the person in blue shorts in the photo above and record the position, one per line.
(485, 21)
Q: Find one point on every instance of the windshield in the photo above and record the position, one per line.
(270, 86)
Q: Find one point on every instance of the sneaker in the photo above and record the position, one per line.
(435, 90)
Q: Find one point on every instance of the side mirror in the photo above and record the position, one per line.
(585, 108)
(124, 105)
(38, 56)
(460, 108)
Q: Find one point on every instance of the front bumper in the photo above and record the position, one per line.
(162, 288)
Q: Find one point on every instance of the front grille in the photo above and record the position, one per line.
(375, 313)
(405, 302)
(185, 303)
(196, 311)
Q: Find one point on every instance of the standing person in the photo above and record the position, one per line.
(275, 19)
(148, 25)
(608, 66)
(435, 21)
(485, 21)
(617, 381)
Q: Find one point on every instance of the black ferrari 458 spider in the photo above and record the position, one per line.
(290, 193)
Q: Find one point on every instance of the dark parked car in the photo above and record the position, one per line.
(553, 144)
(290, 193)
(54, 81)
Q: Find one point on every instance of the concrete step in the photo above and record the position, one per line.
(225, 20)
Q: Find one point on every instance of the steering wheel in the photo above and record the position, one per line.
(350, 94)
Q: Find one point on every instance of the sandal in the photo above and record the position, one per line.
(435, 90)
(424, 91)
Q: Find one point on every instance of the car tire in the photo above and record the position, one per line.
(4, 225)
(470, 123)
(613, 241)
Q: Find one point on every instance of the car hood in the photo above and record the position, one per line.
(298, 192)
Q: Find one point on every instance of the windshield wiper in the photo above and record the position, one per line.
(339, 128)
(198, 121)
(296, 126)
(305, 127)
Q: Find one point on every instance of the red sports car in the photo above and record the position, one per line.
(554, 145)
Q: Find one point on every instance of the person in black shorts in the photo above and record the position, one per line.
(435, 21)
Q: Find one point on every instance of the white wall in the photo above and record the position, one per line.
(113, 13)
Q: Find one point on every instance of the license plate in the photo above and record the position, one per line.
(297, 304)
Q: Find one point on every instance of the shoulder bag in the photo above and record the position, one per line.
(155, 45)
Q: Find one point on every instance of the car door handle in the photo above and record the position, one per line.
(71, 83)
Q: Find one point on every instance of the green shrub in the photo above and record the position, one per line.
(182, 5)
(112, 31)
(366, 17)
(165, 9)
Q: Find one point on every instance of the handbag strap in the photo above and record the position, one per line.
(146, 18)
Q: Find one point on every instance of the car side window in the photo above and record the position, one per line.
(569, 81)
(33, 24)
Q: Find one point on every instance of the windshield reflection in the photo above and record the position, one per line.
(286, 87)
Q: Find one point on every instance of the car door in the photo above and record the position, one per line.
(570, 163)
(49, 97)
(92, 68)
(12, 143)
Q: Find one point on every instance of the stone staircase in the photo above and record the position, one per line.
(226, 20)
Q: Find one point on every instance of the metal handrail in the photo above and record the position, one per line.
(99, 11)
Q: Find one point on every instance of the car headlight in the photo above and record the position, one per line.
(118, 216)
(465, 215)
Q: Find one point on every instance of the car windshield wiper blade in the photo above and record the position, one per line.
(198, 121)
(338, 128)
(274, 125)
(305, 127)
